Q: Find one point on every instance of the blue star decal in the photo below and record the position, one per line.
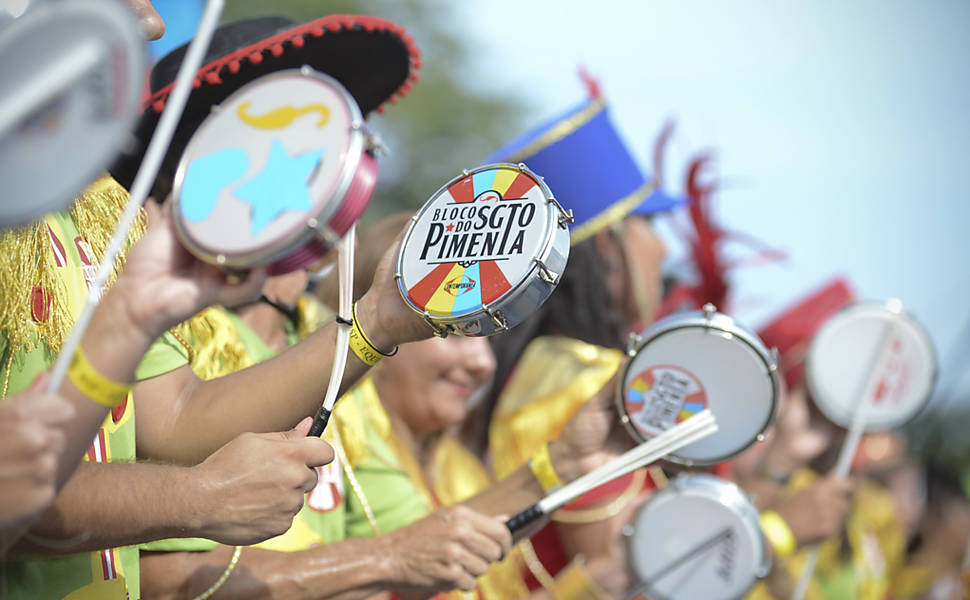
(281, 186)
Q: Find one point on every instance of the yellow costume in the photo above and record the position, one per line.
(877, 546)
(554, 377)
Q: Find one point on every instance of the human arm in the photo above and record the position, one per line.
(182, 418)
(31, 438)
(818, 512)
(246, 492)
(446, 550)
(591, 437)
(160, 286)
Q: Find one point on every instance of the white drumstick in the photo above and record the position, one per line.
(856, 428)
(345, 249)
(143, 181)
(687, 432)
(50, 81)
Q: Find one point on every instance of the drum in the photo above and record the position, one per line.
(877, 347)
(276, 174)
(485, 251)
(698, 538)
(72, 74)
(690, 361)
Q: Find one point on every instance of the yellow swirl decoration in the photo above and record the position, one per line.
(282, 116)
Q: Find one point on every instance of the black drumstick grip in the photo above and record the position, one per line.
(319, 422)
(524, 518)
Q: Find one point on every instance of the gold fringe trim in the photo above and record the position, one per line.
(215, 348)
(28, 262)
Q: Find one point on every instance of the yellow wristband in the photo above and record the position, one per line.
(541, 465)
(362, 347)
(94, 385)
(779, 534)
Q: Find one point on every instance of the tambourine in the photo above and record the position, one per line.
(699, 537)
(276, 174)
(877, 347)
(484, 252)
(71, 75)
(691, 361)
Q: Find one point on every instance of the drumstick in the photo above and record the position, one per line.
(143, 182)
(47, 83)
(631, 460)
(697, 550)
(345, 251)
(853, 437)
(687, 432)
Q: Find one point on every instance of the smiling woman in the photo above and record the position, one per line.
(426, 387)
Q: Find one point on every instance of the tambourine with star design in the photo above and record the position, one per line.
(276, 175)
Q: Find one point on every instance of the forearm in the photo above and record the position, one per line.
(348, 570)
(520, 489)
(110, 505)
(113, 345)
(270, 396)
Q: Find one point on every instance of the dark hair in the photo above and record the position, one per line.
(579, 308)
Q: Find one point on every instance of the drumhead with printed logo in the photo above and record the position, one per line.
(485, 251)
(692, 361)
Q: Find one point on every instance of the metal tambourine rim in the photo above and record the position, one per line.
(897, 310)
(316, 226)
(116, 26)
(549, 240)
(720, 323)
(712, 488)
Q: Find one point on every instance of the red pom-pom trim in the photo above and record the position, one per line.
(296, 36)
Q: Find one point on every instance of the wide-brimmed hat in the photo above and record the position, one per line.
(588, 168)
(373, 58)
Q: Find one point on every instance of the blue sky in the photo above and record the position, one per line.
(842, 130)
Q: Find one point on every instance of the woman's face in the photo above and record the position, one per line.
(429, 383)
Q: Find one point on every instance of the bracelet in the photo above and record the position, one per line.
(541, 465)
(222, 578)
(367, 352)
(779, 534)
(94, 385)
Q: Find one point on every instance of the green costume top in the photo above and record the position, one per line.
(47, 269)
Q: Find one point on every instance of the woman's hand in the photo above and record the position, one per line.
(593, 436)
(162, 284)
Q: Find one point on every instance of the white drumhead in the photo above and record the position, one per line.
(878, 347)
(475, 240)
(276, 154)
(698, 538)
(689, 366)
(70, 81)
